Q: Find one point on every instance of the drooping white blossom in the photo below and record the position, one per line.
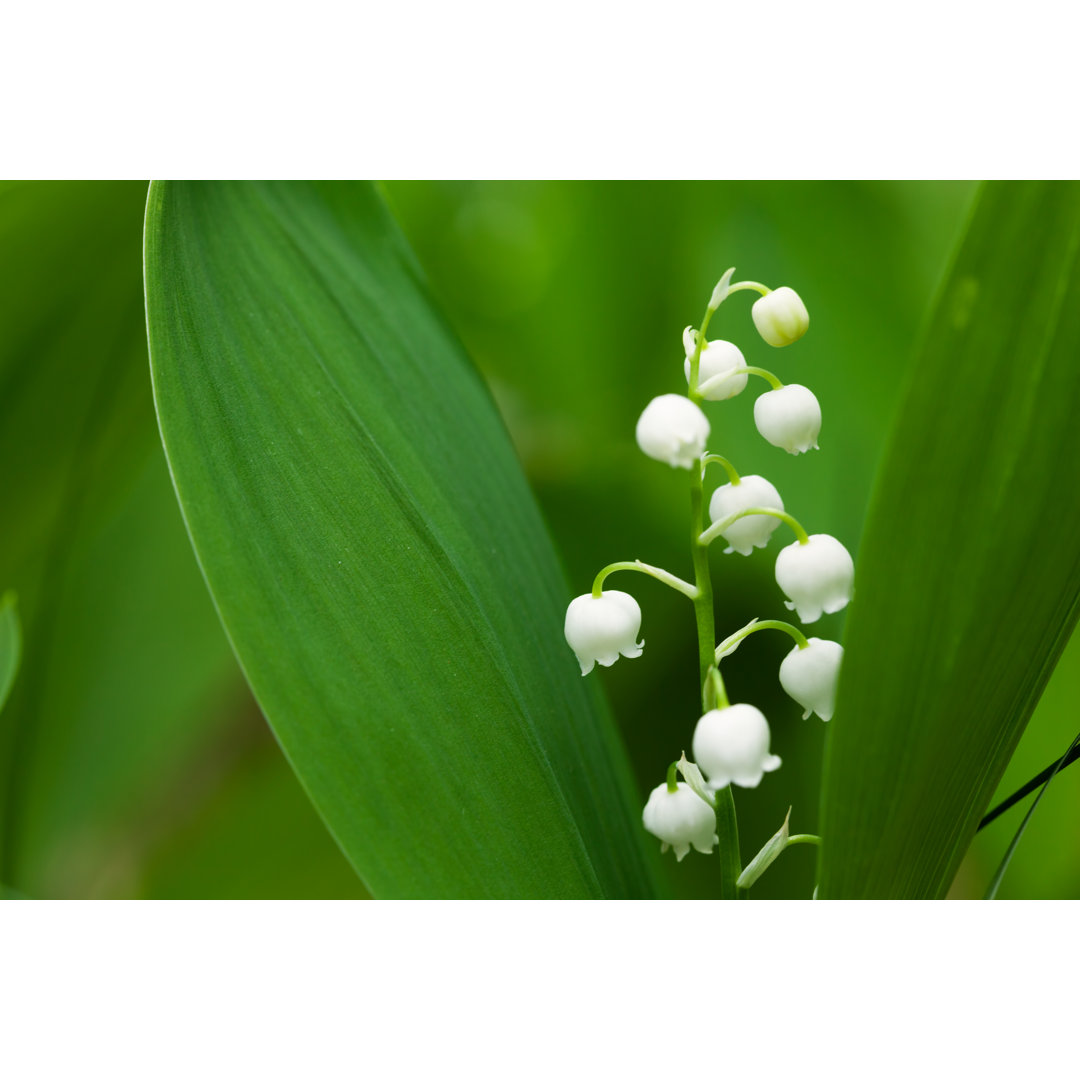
(818, 576)
(680, 819)
(731, 746)
(717, 362)
(754, 530)
(674, 430)
(599, 628)
(810, 676)
(789, 418)
(781, 316)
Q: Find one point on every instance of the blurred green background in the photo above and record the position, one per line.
(133, 761)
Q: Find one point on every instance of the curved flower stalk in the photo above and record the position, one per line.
(731, 742)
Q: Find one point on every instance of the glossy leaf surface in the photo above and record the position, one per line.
(969, 568)
(374, 552)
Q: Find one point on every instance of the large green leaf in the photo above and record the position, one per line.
(374, 552)
(969, 570)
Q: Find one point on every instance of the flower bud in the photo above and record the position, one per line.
(674, 430)
(680, 819)
(749, 532)
(810, 676)
(718, 359)
(789, 418)
(781, 316)
(817, 576)
(598, 628)
(732, 746)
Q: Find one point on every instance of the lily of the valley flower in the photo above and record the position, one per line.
(731, 746)
(718, 358)
(780, 316)
(599, 628)
(680, 819)
(674, 430)
(817, 576)
(789, 418)
(810, 675)
(749, 532)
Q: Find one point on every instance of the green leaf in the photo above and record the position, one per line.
(968, 574)
(10, 644)
(374, 552)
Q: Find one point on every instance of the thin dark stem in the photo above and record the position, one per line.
(992, 891)
(1030, 786)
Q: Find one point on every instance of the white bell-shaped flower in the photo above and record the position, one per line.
(599, 628)
(732, 746)
(674, 430)
(789, 418)
(817, 576)
(749, 532)
(781, 316)
(810, 675)
(680, 819)
(718, 359)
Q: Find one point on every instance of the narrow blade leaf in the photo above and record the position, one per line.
(969, 570)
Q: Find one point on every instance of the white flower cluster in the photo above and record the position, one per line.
(731, 742)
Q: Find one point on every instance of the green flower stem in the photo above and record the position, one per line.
(672, 778)
(719, 690)
(741, 286)
(767, 624)
(676, 583)
(717, 527)
(802, 838)
(761, 372)
(727, 828)
(695, 361)
(711, 459)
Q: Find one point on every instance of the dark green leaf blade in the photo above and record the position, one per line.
(375, 555)
(969, 570)
(10, 644)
